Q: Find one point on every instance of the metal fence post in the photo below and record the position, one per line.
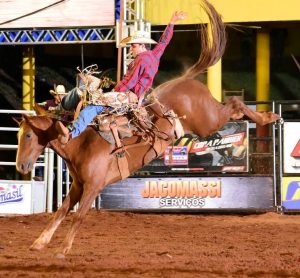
(50, 181)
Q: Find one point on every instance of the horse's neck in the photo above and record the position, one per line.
(55, 145)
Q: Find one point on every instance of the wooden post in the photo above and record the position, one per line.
(28, 85)
(214, 80)
(262, 84)
(214, 77)
(262, 68)
(121, 19)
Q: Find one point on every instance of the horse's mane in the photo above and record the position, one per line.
(213, 42)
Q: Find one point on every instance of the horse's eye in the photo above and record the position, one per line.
(28, 135)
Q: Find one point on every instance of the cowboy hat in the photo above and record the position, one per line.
(58, 90)
(138, 37)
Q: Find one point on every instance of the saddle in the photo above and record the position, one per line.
(135, 121)
(116, 125)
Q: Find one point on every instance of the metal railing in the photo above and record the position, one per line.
(55, 173)
(56, 170)
(45, 161)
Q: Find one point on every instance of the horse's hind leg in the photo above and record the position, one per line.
(239, 109)
(72, 198)
(89, 194)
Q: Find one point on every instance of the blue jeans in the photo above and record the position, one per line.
(71, 100)
(85, 117)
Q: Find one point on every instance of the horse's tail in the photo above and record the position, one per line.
(213, 41)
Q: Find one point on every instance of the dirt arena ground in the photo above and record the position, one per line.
(122, 244)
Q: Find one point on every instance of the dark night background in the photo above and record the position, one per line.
(56, 64)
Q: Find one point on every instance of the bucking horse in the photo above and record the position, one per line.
(94, 163)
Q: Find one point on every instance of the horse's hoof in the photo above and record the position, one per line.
(36, 247)
(60, 256)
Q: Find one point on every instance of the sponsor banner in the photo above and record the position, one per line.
(189, 193)
(176, 155)
(224, 151)
(291, 147)
(22, 197)
(290, 193)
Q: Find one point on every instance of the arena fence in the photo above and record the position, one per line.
(42, 171)
(269, 180)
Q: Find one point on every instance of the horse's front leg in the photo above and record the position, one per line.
(72, 198)
(89, 195)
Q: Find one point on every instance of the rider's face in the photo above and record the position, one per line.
(58, 98)
(137, 48)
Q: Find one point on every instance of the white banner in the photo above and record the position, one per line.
(22, 197)
(291, 147)
(55, 14)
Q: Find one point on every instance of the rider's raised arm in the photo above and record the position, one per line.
(167, 35)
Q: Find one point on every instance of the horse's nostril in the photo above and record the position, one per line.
(24, 167)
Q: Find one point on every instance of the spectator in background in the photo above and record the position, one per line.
(55, 104)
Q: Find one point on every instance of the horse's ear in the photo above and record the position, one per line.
(40, 111)
(18, 120)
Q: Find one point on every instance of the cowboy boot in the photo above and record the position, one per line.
(64, 134)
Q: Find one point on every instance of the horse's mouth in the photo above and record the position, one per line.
(24, 167)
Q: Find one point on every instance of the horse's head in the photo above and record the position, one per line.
(33, 137)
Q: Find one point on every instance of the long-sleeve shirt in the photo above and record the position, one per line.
(142, 70)
(52, 106)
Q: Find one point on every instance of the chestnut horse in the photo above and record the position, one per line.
(89, 157)
(90, 160)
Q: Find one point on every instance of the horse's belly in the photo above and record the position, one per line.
(199, 112)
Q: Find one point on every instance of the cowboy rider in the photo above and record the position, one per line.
(139, 77)
(58, 93)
